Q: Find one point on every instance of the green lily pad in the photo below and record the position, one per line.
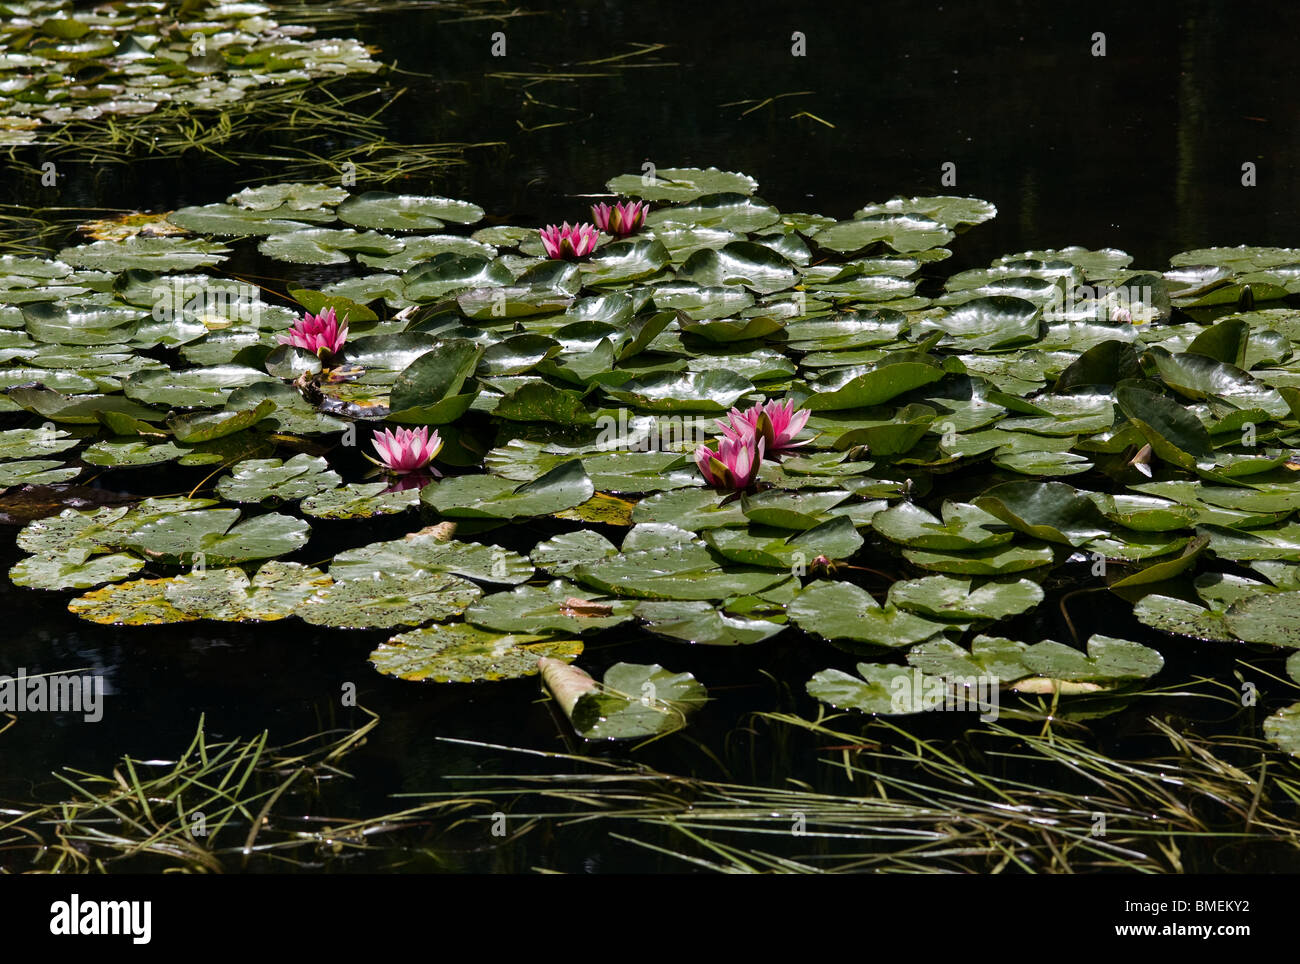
(130, 454)
(1283, 729)
(559, 607)
(217, 536)
(724, 210)
(389, 600)
(431, 551)
(775, 549)
(205, 427)
(898, 374)
(360, 501)
(703, 623)
(880, 688)
(73, 569)
(405, 212)
(993, 657)
(636, 700)
(491, 497)
(255, 480)
(36, 472)
(681, 184)
(456, 653)
(1052, 511)
(843, 611)
(953, 598)
(660, 561)
(1269, 618)
(989, 324)
(710, 391)
(1108, 659)
(904, 233)
(994, 561)
(964, 526)
(564, 553)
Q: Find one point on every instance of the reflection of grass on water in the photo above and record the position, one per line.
(218, 807)
(902, 803)
(312, 122)
(888, 801)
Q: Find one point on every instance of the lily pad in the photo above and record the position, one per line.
(843, 611)
(456, 653)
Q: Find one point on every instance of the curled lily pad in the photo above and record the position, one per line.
(1174, 433)
(633, 701)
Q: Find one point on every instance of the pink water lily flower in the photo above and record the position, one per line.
(407, 450)
(568, 242)
(776, 423)
(321, 334)
(735, 464)
(621, 219)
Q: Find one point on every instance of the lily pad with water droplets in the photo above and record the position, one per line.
(458, 653)
(256, 480)
(73, 569)
(431, 551)
(559, 607)
(388, 601)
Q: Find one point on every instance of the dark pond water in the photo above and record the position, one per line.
(1141, 149)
